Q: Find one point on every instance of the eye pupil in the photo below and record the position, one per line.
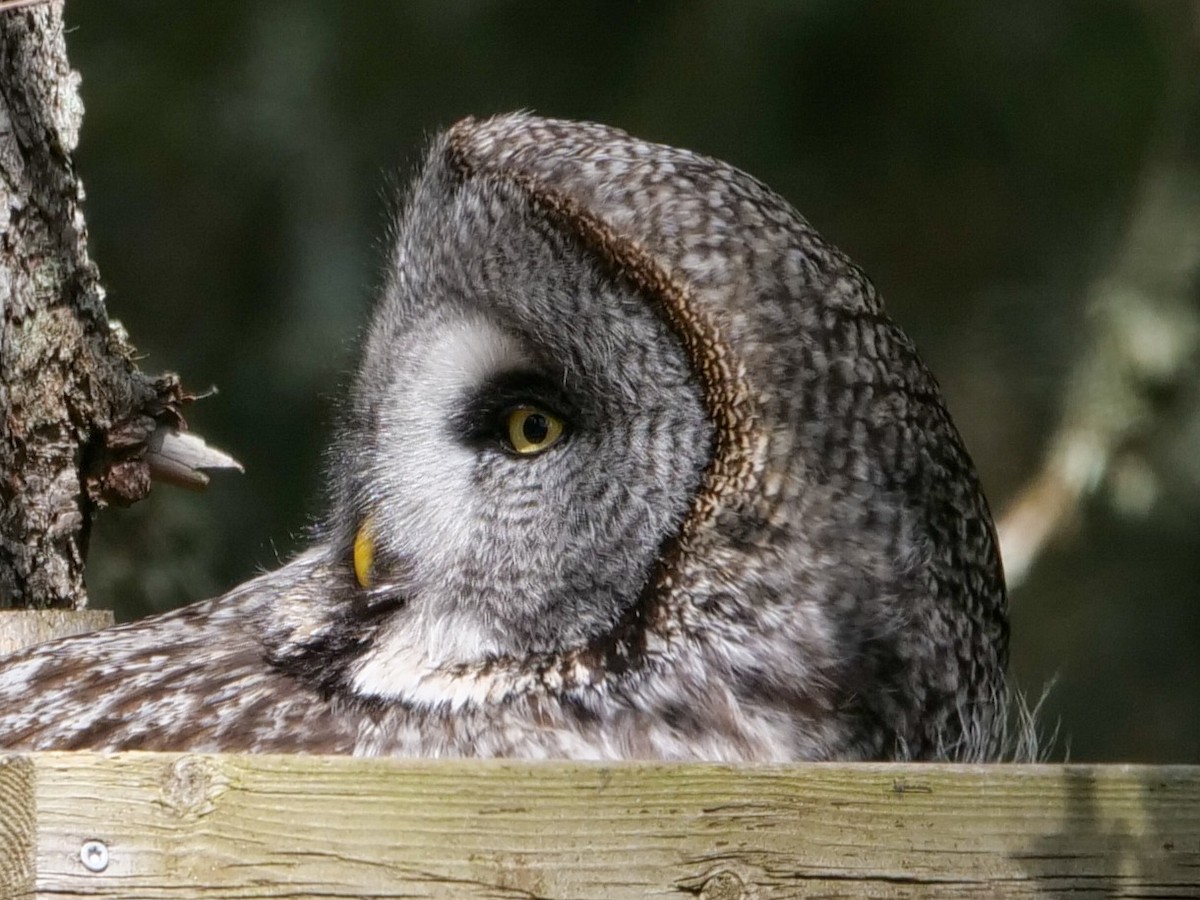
(532, 431)
(535, 428)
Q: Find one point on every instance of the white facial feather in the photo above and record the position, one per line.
(430, 505)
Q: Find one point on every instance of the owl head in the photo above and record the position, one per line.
(620, 410)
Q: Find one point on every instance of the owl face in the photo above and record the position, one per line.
(526, 435)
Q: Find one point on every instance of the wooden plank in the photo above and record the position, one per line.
(17, 828)
(21, 628)
(195, 826)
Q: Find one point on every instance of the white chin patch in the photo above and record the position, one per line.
(397, 670)
(426, 512)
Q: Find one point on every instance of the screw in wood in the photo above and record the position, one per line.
(94, 855)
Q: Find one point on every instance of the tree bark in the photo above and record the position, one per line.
(75, 412)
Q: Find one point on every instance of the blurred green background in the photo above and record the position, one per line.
(979, 160)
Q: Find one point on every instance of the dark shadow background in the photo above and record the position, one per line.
(977, 159)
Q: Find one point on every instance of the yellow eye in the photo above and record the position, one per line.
(533, 430)
(364, 554)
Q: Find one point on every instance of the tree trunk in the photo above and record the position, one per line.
(75, 413)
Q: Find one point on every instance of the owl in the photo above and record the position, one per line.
(634, 466)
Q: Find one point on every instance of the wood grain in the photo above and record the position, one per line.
(194, 826)
(18, 833)
(20, 628)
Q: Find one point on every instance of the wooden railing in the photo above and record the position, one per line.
(173, 825)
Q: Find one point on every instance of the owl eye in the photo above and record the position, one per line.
(364, 554)
(532, 430)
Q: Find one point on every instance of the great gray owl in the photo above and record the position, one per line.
(634, 466)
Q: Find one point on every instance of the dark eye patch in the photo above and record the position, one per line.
(482, 418)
